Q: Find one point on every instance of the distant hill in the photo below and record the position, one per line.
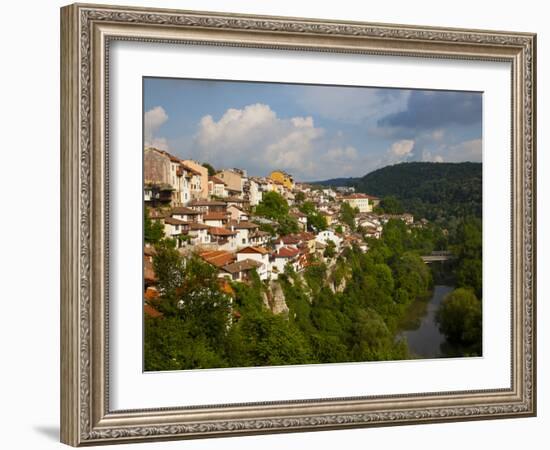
(437, 191)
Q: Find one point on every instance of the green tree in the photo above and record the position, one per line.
(201, 303)
(211, 170)
(459, 318)
(153, 230)
(391, 205)
(330, 250)
(347, 215)
(272, 206)
(266, 339)
(170, 345)
(468, 247)
(275, 207)
(413, 275)
(169, 268)
(299, 197)
(315, 221)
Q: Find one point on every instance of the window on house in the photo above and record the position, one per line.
(244, 241)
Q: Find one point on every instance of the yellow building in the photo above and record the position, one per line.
(282, 177)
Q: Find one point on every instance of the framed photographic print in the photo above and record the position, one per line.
(276, 224)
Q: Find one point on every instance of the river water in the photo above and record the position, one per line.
(420, 328)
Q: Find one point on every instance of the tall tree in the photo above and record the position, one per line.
(153, 230)
(459, 318)
(347, 215)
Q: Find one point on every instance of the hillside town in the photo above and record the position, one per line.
(217, 215)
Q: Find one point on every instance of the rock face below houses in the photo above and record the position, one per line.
(274, 298)
(338, 288)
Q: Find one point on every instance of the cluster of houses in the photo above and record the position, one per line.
(212, 215)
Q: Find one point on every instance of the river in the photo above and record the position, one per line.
(420, 328)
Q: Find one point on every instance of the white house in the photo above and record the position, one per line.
(186, 214)
(255, 193)
(244, 230)
(301, 218)
(237, 213)
(282, 257)
(217, 187)
(174, 228)
(259, 238)
(199, 233)
(329, 235)
(215, 219)
(260, 255)
(240, 270)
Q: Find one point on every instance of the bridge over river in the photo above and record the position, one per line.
(437, 256)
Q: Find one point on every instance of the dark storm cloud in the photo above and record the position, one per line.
(430, 110)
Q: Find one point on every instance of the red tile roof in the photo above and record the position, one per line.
(220, 231)
(151, 311)
(286, 252)
(243, 225)
(240, 266)
(215, 216)
(172, 221)
(198, 226)
(182, 210)
(251, 249)
(190, 169)
(290, 240)
(218, 258)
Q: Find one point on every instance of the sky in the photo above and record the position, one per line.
(314, 132)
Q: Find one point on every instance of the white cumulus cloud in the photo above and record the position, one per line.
(256, 137)
(402, 148)
(398, 152)
(153, 120)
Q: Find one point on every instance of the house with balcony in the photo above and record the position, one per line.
(176, 229)
(259, 238)
(259, 254)
(244, 230)
(206, 206)
(186, 214)
(198, 234)
(224, 238)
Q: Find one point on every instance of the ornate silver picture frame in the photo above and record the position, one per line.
(87, 32)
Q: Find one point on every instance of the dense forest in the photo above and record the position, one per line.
(440, 192)
(209, 324)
